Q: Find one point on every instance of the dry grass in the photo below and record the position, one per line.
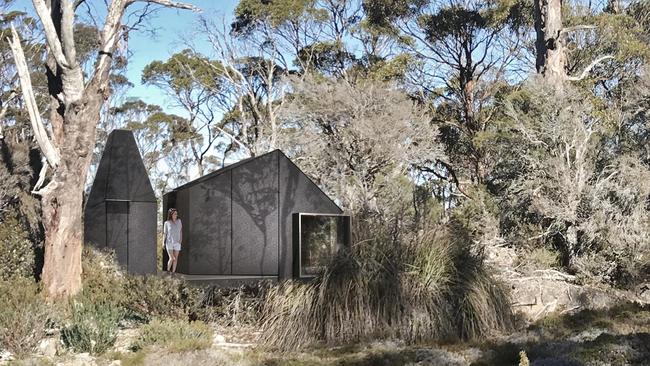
(436, 287)
(24, 316)
(175, 336)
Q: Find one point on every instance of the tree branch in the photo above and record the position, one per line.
(44, 142)
(576, 28)
(586, 71)
(67, 33)
(3, 112)
(50, 33)
(169, 4)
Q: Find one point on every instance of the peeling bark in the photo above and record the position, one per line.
(549, 45)
(75, 112)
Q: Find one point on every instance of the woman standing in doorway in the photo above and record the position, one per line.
(173, 236)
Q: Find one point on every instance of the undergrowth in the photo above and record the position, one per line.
(435, 287)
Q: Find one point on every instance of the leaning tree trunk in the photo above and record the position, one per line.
(74, 116)
(551, 59)
(63, 203)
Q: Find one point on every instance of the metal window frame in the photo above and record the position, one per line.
(297, 238)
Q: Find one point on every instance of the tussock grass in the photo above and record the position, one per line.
(176, 336)
(435, 287)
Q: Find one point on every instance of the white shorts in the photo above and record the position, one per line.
(175, 246)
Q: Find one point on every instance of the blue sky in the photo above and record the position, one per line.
(168, 26)
(171, 25)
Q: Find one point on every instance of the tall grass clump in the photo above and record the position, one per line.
(24, 315)
(92, 327)
(432, 287)
(353, 299)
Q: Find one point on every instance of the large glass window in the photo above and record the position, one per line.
(320, 237)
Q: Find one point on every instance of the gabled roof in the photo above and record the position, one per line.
(244, 162)
(121, 174)
(223, 170)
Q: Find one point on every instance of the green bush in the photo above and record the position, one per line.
(538, 258)
(176, 336)
(148, 297)
(93, 326)
(142, 298)
(23, 316)
(103, 279)
(17, 259)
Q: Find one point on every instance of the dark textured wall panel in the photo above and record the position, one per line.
(209, 229)
(183, 205)
(95, 225)
(255, 217)
(142, 242)
(128, 177)
(117, 229)
(169, 200)
(121, 179)
(297, 194)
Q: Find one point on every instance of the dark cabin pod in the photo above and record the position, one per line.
(237, 221)
(120, 212)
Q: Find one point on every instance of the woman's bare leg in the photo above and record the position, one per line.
(175, 259)
(170, 262)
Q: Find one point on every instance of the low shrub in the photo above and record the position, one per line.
(539, 258)
(103, 279)
(140, 297)
(149, 297)
(23, 316)
(93, 326)
(176, 336)
(231, 306)
(17, 259)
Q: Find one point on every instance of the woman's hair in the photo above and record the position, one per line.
(170, 212)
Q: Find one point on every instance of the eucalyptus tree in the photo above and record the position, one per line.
(464, 52)
(193, 83)
(358, 140)
(580, 196)
(75, 104)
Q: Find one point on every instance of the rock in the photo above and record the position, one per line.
(5, 357)
(434, 357)
(550, 291)
(124, 340)
(587, 335)
(218, 339)
(115, 363)
(48, 347)
(83, 359)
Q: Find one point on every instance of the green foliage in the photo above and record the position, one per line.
(148, 297)
(139, 298)
(183, 72)
(93, 325)
(249, 13)
(103, 279)
(18, 251)
(452, 21)
(538, 258)
(24, 316)
(176, 336)
(324, 57)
